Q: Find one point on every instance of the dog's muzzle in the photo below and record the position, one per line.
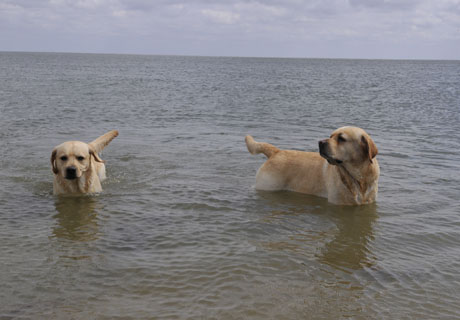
(71, 173)
(323, 151)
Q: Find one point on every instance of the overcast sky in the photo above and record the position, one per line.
(394, 29)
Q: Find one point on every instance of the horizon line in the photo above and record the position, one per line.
(228, 56)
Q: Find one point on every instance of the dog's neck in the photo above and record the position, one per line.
(361, 181)
(66, 186)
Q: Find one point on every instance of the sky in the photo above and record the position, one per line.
(369, 29)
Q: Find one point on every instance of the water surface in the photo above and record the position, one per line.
(179, 232)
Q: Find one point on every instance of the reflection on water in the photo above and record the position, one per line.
(349, 247)
(341, 236)
(326, 248)
(76, 218)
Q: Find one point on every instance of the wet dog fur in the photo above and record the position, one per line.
(345, 171)
(77, 167)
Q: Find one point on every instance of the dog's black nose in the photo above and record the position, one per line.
(322, 143)
(70, 173)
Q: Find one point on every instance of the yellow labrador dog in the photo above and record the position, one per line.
(345, 171)
(77, 166)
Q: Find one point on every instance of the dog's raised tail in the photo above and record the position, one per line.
(255, 147)
(101, 142)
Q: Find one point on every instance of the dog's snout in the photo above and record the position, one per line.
(70, 173)
(322, 144)
(71, 170)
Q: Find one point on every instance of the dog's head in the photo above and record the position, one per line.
(348, 145)
(71, 159)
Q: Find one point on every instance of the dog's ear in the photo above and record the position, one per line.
(369, 147)
(53, 162)
(93, 153)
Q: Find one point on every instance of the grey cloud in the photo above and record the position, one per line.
(243, 27)
(26, 3)
(140, 5)
(391, 5)
(454, 7)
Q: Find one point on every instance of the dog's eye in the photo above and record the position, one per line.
(64, 158)
(80, 158)
(341, 139)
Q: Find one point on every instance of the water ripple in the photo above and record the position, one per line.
(180, 233)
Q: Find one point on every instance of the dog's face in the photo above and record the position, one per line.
(348, 145)
(71, 159)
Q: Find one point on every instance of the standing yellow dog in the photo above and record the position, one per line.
(344, 171)
(77, 166)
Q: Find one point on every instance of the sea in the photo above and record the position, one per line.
(180, 232)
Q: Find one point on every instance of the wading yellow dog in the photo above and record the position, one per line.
(345, 171)
(77, 166)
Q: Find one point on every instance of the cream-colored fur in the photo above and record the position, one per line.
(345, 171)
(77, 166)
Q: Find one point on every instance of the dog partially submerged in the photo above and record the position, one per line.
(77, 166)
(344, 171)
